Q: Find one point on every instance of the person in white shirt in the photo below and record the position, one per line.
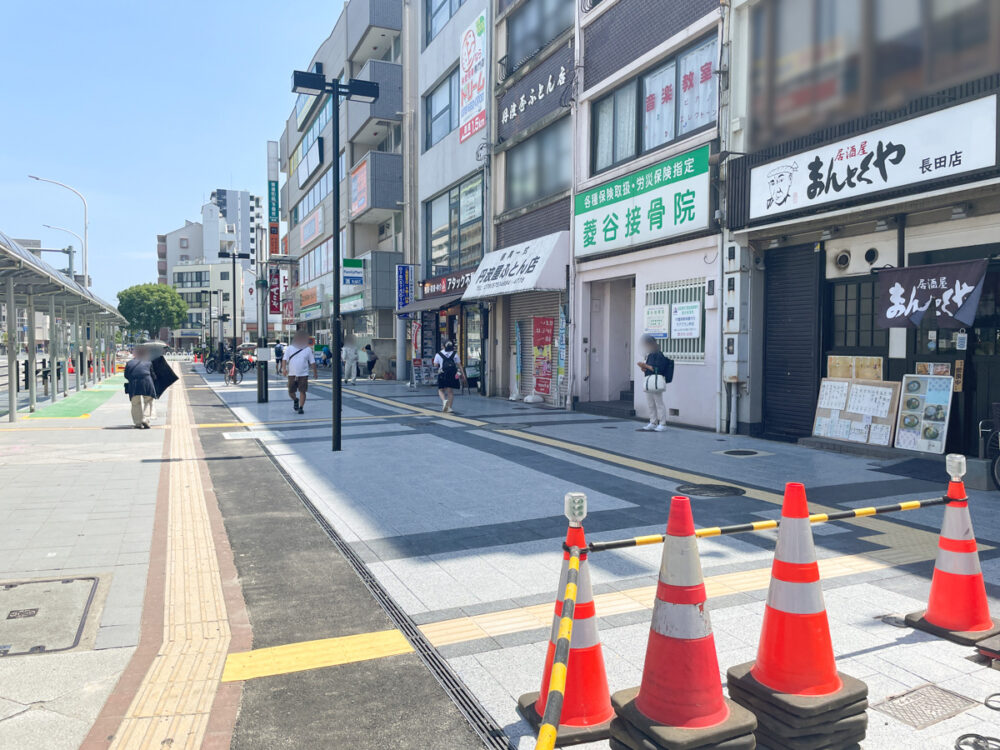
(449, 368)
(297, 361)
(349, 358)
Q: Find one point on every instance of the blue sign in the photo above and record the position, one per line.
(404, 287)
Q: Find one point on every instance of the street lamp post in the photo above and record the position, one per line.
(304, 82)
(210, 293)
(86, 270)
(234, 255)
(69, 250)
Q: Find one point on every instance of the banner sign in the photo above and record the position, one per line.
(518, 357)
(561, 371)
(540, 92)
(274, 290)
(359, 188)
(472, 80)
(404, 286)
(287, 312)
(661, 201)
(949, 291)
(941, 144)
(542, 333)
(450, 283)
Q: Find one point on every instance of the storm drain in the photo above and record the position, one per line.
(39, 617)
(924, 706)
(710, 490)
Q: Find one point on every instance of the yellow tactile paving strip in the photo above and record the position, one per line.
(172, 705)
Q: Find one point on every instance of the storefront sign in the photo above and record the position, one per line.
(537, 265)
(924, 413)
(311, 227)
(404, 286)
(472, 80)
(541, 92)
(308, 297)
(562, 348)
(656, 320)
(941, 144)
(274, 290)
(352, 272)
(949, 291)
(685, 320)
(542, 331)
(313, 313)
(359, 188)
(661, 201)
(518, 357)
(353, 303)
(451, 283)
(272, 200)
(287, 312)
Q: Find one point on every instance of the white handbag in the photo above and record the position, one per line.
(654, 384)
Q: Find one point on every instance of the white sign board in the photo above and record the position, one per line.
(656, 320)
(530, 266)
(941, 144)
(685, 320)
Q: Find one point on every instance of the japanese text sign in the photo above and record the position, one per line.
(949, 291)
(404, 285)
(540, 92)
(941, 144)
(667, 199)
(534, 265)
(274, 290)
(542, 334)
(359, 188)
(451, 283)
(472, 80)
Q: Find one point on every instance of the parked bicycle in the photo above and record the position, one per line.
(232, 374)
(989, 442)
(211, 365)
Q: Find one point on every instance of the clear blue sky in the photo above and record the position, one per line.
(145, 108)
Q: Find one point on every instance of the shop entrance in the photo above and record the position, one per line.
(612, 319)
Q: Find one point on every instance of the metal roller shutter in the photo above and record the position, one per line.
(791, 340)
(524, 307)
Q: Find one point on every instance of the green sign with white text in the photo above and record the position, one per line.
(663, 200)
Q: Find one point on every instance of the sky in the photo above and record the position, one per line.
(145, 108)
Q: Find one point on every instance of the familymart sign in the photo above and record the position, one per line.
(665, 200)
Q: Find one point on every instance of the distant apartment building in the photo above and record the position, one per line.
(244, 212)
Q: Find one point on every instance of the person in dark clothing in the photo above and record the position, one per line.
(140, 387)
(372, 359)
(658, 370)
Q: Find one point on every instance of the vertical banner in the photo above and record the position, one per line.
(274, 291)
(517, 357)
(288, 312)
(472, 80)
(404, 287)
(542, 331)
(272, 198)
(562, 349)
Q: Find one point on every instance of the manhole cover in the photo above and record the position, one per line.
(710, 490)
(924, 706)
(43, 616)
(740, 452)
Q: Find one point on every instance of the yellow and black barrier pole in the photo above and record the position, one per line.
(743, 528)
(560, 660)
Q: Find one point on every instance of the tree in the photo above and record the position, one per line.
(150, 307)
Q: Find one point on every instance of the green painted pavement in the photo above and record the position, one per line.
(81, 404)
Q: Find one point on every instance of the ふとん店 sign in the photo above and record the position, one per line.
(667, 199)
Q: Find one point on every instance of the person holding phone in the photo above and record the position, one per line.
(658, 371)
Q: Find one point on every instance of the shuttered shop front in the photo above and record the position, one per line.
(523, 309)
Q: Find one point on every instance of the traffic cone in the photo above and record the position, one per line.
(586, 709)
(793, 687)
(957, 608)
(71, 371)
(679, 702)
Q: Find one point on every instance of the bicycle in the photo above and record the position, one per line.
(232, 373)
(989, 442)
(211, 365)
(244, 364)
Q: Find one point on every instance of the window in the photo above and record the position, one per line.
(540, 166)
(225, 296)
(184, 242)
(185, 258)
(324, 116)
(317, 262)
(441, 109)
(438, 14)
(342, 167)
(671, 101)
(854, 314)
(534, 25)
(190, 279)
(669, 293)
(310, 200)
(223, 275)
(454, 222)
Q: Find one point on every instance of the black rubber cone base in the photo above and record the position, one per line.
(771, 714)
(566, 735)
(664, 737)
(631, 738)
(802, 706)
(966, 638)
(839, 741)
(990, 647)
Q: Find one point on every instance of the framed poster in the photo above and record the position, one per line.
(924, 410)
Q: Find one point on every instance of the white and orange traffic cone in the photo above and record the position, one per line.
(586, 707)
(957, 608)
(679, 702)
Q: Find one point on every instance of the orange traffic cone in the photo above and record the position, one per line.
(957, 608)
(679, 702)
(795, 654)
(70, 369)
(586, 708)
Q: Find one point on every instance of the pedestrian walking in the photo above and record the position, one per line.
(279, 352)
(449, 369)
(140, 387)
(298, 359)
(372, 359)
(327, 356)
(658, 370)
(349, 360)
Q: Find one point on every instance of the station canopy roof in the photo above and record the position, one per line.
(33, 275)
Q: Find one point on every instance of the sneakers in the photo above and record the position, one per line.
(660, 428)
(300, 410)
(447, 409)
(295, 404)
(650, 426)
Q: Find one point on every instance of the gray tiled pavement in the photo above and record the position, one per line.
(459, 520)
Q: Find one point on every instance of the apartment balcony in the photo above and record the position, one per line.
(376, 187)
(161, 250)
(371, 27)
(367, 124)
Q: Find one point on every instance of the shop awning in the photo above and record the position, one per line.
(434, 303)
(535, 266)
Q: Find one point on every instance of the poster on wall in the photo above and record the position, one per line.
(542, 330)
(698, 95)
(685, 320)
(656, 320)
(924, 410)
(472, 80)
(517, 358)
(359, 188)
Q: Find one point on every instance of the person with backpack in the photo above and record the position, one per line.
(372, 359)
(658, 370)
(449, 369)
(279, 353)
(297, 361)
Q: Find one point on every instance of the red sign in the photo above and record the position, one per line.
(542, 334)
(288, 312)
(450, 283)
(274, 290)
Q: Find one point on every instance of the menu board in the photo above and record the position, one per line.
(853, 368)
(859, 411)
(924, 410)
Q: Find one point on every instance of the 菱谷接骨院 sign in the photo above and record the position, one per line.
(665, 200)
(941, 144)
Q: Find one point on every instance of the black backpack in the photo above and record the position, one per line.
(448, 367)
(668, 369)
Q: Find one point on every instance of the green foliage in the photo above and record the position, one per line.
(150, 307)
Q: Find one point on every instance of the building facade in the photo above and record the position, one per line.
(207, 288)
(244, 212)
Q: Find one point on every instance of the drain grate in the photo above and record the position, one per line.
(44, 616)
(710, 490)
(741, 452)
(924, 706)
